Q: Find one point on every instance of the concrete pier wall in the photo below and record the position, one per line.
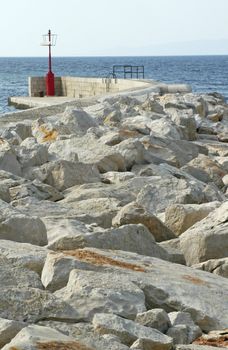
(83, 87)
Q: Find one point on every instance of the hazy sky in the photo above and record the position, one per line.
(114, 27)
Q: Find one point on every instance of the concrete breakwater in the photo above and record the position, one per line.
(70, 88)
(113, 230)
(77, 87)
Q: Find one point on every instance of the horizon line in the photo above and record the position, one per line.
(118, 56)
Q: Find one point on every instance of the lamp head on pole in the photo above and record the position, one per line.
(49, 39)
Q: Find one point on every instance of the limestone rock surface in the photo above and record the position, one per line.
(18, 227)
(102, 206)
(129, 331)
(208, 238)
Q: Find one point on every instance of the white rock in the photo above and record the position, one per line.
(133, 213)
(35, 189)
(205, 169)
(84, 334)
(169, 286)
(184, 318)
(8, 330)
(128, 331)
(225, 180)
(14, 276)
(155, 318)
(162, 192)
(208, 238)
(35, 337)
(92, 210)
(63, 174)
(132, 151)
(77, 121)
(173, 152)
(179, 334)
(217, 266)
(8, 158)
(165, 127)
(106, 293)
(115, 177)
(65, 233)
(18, 227)
(33, 304)
(186, 122)
(179, 217)
(30, 153)
(63, 149)
(173, 248)
(26, 255)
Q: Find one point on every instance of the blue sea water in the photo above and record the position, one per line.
(203, 73)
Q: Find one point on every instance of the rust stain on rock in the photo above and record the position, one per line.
(128, 133)
(49, 135)
(221, 342)
(2, 141)
(58, 345)
(195, 280)
(98, 259)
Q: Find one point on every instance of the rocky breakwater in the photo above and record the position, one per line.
(114, 226)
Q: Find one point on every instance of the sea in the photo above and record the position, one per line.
(203, 73)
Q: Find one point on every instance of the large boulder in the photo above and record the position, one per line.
(14, 187)
(63, 174)
(88, 149)
(63, 149)
(26, 304)
(18, 227)
(105, 293)
(161, 192)
(12, 276)
(8, 330)
(185, 121)
(214, 147)
(171, 287)
(36, 337)
(35, 189)
(8, 180)
(71, 234)
(192, 331)
(129, 331)
(171, 151)
(165, 127)
(132, 151)
(23, 129)
(8, 158)
(77, 121)
(60, 335)
(25, 255)
(31, 153)
(133, 213)
(99, 211)
(205, 169)
(179, 217)
(155, 318)
(217, 266)
(173, 248)
(207, 239)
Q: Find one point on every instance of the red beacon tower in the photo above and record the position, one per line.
(49, 40)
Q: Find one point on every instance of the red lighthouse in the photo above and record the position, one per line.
(49, 40)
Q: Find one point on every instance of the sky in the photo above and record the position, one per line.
(114, 27)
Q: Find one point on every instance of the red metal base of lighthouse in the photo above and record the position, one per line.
(50, 84)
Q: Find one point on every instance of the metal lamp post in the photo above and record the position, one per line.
(49, 40)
